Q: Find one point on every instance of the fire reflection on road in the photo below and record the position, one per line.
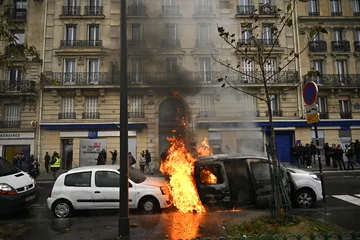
(184, 225)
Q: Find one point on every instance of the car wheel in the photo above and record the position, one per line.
(304, 199)
(62, 209)
(149, 205)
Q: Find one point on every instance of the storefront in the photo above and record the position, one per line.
(16, 142)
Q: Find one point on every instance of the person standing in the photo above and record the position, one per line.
(148, 162)
(25, 163)
(357, 151)
(131, 160)
(294, 155)
(338, 155)
(34, 167)
(55, 163)
(302, 153)
(333, 155)
(350, 153)
(100, 159)
(313, 151)
(47, 161)
(307, 153)
(113, 156)
(142, 162)
(163, 156)
(327, 151)
(16, 161)
(69, 159)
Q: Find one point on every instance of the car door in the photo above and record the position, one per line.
(261, 180)
(132, 194)
(105, 190)
(77, 189)
(212, 183)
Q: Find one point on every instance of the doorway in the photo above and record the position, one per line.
(10, 150)
(67, 155)
(171, 117)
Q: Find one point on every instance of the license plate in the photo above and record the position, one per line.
(29, 198)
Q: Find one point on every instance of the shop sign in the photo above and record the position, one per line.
(16, 135)
(93, 134)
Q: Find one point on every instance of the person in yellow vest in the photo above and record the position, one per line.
(55, 163)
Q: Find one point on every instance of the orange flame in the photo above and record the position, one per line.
(204, 149)
(179, 165)
(207, 177)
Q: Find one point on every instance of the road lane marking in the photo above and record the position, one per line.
(348, 198)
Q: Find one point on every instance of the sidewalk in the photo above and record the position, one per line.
(315, 167)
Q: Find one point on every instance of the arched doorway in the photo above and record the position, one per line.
(171, 115)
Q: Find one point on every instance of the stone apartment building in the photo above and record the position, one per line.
(171, 76)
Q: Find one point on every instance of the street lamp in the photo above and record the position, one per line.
(124, 170)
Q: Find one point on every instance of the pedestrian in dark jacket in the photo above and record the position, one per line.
(25, 163)
(16, 161)
(307, 154)
(148, 162)
(313, 150)
(327, 150)
(100, 159)
(47, 161)
(34, 166)
(113, 156)
(338, 155)
(357, 151)
(333, 155)
(350, 153)
(302, 153)
(295, 155)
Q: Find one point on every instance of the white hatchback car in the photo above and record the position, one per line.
(97, 187)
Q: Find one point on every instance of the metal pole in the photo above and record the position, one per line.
(320, 165)
(124, 227)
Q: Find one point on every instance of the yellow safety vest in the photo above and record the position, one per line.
(56, 164)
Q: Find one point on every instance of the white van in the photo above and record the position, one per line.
(17, 189)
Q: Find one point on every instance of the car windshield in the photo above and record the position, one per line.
(136, 176)
(6, 168)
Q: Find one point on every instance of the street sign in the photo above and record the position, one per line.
(312, 118)
(310, 93)
(313, 109)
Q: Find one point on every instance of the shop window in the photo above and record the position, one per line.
(82, 179)
(211, 175)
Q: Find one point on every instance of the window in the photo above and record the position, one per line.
(205, 69)
(249, 106)
(318, 66)
(170, 31)
(356, 7)
(313, 6)
(14, 78)
(68, 107)
(204, 33)
(138, 2)
(6, 168)
(322, 103)
(275, 103)
(70, 35)
(82, 179)
(245, 2)
(247, 67)
(341, 70)
(211, 175)
(12, 113)
(94, 35)
(20, 37)
(206, 106)
(265, 2)
(317, 37)
(136, 106)
(338, 35)
(267, 35)
(344, 104)
(202, 2)
(93, 71)
(73, 3)
(270, 69)
(170, 2)
(107, 179)
(171, 68)
(135, 34)
(69, 71)
(215, 141)
(335, 6)
(261, 171)
(136, 74)
(92, 104)
(94, 3)
(21, 4)
(246, 33)
(357, 35)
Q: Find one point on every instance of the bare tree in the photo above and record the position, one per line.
(258, 49)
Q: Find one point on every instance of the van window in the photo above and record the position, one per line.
(82, 179)
(260, 171)
(211, 175)
(107, 179)
(6, 168)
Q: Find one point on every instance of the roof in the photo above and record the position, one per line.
(96, 167)
(226, 156)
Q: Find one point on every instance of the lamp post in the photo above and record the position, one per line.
(124, 170)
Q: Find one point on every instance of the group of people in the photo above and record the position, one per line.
(29, 165)
(144, 161)
(333, 154)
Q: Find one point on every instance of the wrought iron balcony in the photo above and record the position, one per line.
(275, 113)
(94, 10)
(269, 41)
(90, 115)
(206, 114)
(81, 43)
(266, 9)
(136, 42)
(77, 78)
(67, 115)
(137, 10)
(345, 115)
(201, 10)
(340, 46)
(136, 114)
(336, 13)
(313, 14)
(19, 13)
(204, 42)
(324, 115)
(245, 9)
(170, 43)
(9, 124)
(317, 46)
(357, 46)
(71, 10)
(17, 86)
(170, 10)
(336, 80)
(356, 14)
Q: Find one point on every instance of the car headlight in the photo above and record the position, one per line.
(6, 189)
(315, 177)
(164, 190)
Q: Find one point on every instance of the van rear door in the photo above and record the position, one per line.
(211, 183)
(261, 180)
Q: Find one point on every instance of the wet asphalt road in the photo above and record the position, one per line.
(38, 223)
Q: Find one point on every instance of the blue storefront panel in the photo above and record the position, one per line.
(283, 142)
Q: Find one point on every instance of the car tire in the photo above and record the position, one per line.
(149, 205)
(304, 198)
(62, 208)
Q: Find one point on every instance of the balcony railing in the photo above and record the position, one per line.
(78, 78)
(93, 10)
(208, 77)
(275, 113)
(357, 46)
(268, 41)
(170, 10)
(206, 114)
(345, 115)
(255, 42)
(336, 13)
(136, 114)
(317, 46)
(137, 10)
(19, 13)
(81, 43)
(90, 115)
(204, 42)
(170, 43)
(315, 13)
(9, 124)
(356, 13)
(324, 115)
(67, 115)
(340, 46)
(245, 9)
(136, 42)
(71, 10)
(201, 10)
(21, 86)
(266, 9)
(336, 80)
